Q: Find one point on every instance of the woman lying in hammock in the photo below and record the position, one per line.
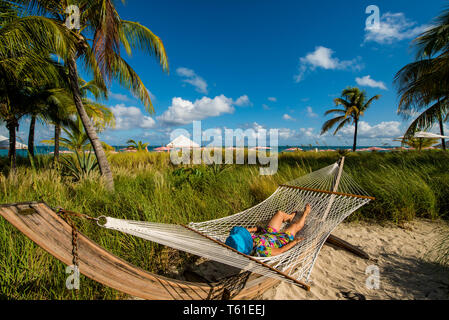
(269, 242)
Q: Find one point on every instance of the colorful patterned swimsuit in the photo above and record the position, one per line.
(266, 240)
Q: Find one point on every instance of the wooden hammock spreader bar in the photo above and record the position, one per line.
(299, 283)
(340, 243)
(328, 192)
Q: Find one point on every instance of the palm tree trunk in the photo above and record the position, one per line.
(31, 135)
(12, 125)
(57, 136)
(440, 119)
(88, 126)
(354, 149)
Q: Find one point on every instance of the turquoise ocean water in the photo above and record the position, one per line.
(45, 150)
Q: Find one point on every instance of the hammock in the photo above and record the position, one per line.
(332, 193)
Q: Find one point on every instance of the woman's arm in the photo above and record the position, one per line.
(278, 251)
(252, 230)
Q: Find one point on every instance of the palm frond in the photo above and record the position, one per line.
(90, 64)
(338, 111)
(128, 78)
(435, 39)
(428, 118)
(39, 33)
(135, 35)
(331, 123)
(105, 24)
(342, 124)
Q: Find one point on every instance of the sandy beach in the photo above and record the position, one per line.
(404, 255)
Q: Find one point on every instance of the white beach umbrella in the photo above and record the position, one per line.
(183, 142)
(4, 144)
(429, 135)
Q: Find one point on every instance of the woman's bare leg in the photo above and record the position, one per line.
(279, 219)
(299, 225)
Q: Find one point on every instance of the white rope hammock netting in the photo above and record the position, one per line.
(332, 199)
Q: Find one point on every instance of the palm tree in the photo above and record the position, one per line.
(44, 104)
(63, 109)
(60, 113)
(77, 139)
(19, 98)
(420, 94)
(102, 56)
(11, 111)
(24, 63)
(139, 146)
(423, 84)
(355, 104)
(54, 104)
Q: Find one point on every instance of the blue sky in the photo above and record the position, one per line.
(266, 64)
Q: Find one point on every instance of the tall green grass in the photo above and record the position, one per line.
(150, 188)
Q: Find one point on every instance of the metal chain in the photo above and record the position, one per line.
(66, 215)
(75, 246)
(62, 213)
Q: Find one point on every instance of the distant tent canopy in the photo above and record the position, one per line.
(426, 135)
(429, 135)
(183, 142)
(4, 144)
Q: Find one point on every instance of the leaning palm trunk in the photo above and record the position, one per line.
(31, 135)
(354, 148)
(88, 126)
(57, 136)
(440, 119)
(12, 125)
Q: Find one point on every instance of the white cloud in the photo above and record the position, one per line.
(266, 107)
(285, 133)
(213, 137)
(119, 97)
(125, 98)
(128, 118)
(307, 132)
(254, 130)
(185, 72)
(254, 125)
(368, 82)
(287, 117)
(260, 131)
(393, 27)
(272, 99)
(323, 58)
(213, 132)
(183, 112)
(310, 113)
(243, 101)
(383, 130)
(192, 78)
